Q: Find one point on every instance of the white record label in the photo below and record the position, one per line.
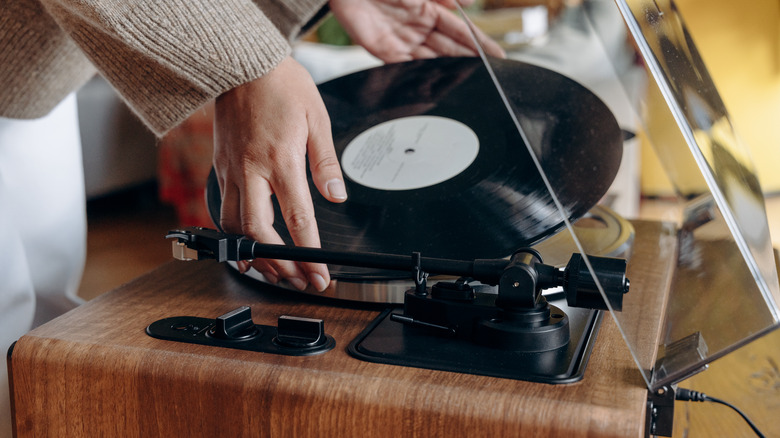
(410, 153)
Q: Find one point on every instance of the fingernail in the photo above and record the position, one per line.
(298, 283)
(318, 281)
(336, 189)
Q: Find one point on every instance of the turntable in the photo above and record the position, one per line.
(428, 177)
(480, 288)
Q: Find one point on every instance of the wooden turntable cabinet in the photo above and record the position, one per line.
(95, 372)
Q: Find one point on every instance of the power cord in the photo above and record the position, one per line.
(690, 395)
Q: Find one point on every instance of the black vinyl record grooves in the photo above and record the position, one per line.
(497, 203)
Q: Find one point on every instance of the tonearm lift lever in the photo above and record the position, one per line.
(518, 317)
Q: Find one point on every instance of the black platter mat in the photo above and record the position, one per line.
(497, 204)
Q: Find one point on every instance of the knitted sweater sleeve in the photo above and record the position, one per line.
(39, 63)
(168, 58)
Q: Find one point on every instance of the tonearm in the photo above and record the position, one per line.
(518, 317)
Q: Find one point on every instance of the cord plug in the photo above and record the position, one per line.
(689, 395)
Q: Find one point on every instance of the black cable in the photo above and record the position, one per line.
(690, 395)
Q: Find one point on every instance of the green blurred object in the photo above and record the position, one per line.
(331, 32)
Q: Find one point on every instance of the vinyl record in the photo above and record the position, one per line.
(434, 163)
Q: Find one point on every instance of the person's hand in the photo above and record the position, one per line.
(401, 30)
(263, 132)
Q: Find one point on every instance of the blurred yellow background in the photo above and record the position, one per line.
(740, 44)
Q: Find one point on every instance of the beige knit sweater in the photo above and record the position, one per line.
(166, 58)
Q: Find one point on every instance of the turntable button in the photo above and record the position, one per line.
(235, 325)
(297, 332)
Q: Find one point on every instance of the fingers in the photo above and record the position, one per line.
(452, 4)
(250, 211)
(452, 35)
(292, 192)
(327, 177)
(425, 52)
(257, 214)
(439, 43)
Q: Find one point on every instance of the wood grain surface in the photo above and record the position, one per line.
(748, 378)
(94, 372)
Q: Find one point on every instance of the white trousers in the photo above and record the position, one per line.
(42, 226)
